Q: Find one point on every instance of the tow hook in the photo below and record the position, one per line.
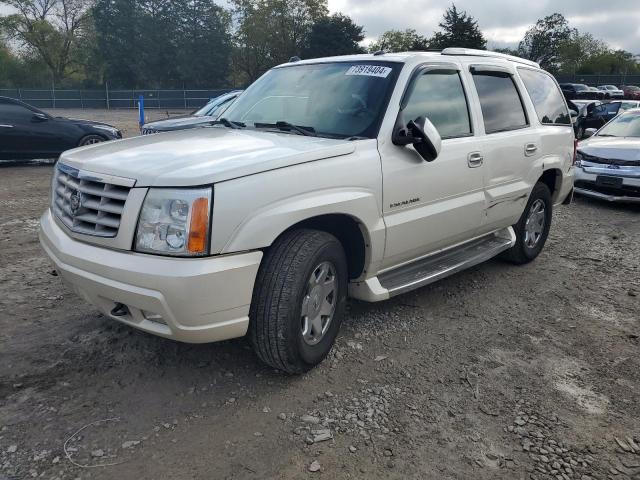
(120, 310)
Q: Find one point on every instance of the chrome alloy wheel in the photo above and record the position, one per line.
(535, 223)
(91, 141)
(319, 303)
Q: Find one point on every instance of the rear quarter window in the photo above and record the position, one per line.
(546, 97)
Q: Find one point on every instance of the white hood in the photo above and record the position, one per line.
(201, 156)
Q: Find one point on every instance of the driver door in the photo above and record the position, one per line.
(432, 205)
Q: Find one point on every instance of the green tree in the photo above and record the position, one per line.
(578, 49)
(50, 30)
(118, 25)
(618, 62)
(334, 35)
(272, 31)
(400, 41)
(458, 30)
(507, 50)
(542, 41)
(162, 43)
(203, 43)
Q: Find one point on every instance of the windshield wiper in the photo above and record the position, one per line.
(287, 127)
(228, 123)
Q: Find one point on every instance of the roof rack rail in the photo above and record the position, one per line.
(487, 53)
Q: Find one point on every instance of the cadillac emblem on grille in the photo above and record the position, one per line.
(75, 202)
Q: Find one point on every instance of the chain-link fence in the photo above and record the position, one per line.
(107, 98)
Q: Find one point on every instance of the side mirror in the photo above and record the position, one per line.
(589, 132)
(39, 117)
(420, 133)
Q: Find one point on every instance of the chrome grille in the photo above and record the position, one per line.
(86, 204)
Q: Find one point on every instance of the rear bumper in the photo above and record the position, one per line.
(189, 300)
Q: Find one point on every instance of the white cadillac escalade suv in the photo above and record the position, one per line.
(360, 176)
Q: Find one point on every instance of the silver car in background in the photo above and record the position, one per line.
(611, 91)
(608, 162)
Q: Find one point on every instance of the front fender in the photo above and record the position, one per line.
(251, 212)
(263, 226)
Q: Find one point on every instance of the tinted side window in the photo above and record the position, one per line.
(545, 96)
(439, 96)
(500, 102)
(14, 112)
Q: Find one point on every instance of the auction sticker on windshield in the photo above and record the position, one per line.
(369, 70)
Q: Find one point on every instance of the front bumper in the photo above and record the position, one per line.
(195, 300)
(586, 182)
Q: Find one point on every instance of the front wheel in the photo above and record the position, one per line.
(533, 227)
(298, 300)
(90, 140)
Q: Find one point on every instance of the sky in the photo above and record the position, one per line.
(503, 22)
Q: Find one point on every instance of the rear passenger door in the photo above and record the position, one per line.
(509, 145)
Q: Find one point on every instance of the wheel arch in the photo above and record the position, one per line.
(552, 178)
(350, 232)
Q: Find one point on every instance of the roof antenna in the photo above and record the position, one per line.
(294, 59)
(379, 52)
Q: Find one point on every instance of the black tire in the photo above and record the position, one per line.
(275, 328)
(522, 253)
(90, 140)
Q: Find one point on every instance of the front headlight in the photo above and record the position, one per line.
(175, 222)
(112, 130)
(579, 158)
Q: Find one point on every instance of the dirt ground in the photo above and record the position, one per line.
(500, 372)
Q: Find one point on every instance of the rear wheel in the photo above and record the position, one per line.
(533, 227)
(90, 140)
(298, 300)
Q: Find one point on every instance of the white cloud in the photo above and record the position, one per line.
(503, 22)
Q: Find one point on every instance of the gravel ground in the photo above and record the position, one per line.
(500, 372)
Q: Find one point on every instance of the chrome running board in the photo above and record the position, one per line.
(442, 264)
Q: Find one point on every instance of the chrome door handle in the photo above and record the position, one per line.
(474, 159)
(6, 126)
(530, 149)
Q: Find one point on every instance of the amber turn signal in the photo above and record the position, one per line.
(197, 243)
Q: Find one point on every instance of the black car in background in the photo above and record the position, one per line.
(202, 117)
(595, 115)
(577, 91)
(29, 133)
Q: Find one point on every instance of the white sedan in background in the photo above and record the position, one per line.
(608, 162)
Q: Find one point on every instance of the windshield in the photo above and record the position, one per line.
(341, 99)
(627, 125)
(580, 87)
